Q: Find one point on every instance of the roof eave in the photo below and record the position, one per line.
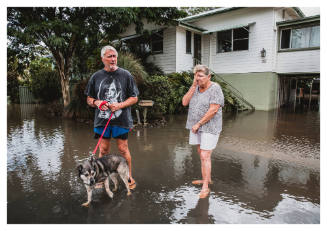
(299, 21)
(188, 26)
(299, 11)
(191, 18)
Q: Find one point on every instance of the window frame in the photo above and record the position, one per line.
(188, 51)
(247, 28)
(291, 28)
(157, 41)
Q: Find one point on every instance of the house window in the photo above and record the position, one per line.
(286, 38)
(305, 37)
(188, 41)
(157, 42)
(233, 40)
(136, 45)
(224, 41)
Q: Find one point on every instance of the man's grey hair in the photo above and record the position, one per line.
(105, 48)
(201, 68)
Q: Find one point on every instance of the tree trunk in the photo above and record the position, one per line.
(63, 68)
(65, 94)
(65, 89)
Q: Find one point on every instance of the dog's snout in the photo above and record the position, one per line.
(92, 181)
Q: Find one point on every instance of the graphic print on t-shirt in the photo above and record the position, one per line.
(110, 91)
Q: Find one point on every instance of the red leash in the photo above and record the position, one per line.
(100, 107)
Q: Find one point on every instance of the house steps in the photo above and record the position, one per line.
(245, 105)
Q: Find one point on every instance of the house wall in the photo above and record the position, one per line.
(261, 36)
(307, 61)
(184, 61)
(130, 30)
(302, 61)
(255, 77)
(167, 60)
(260, 89)
(279, 14)
(282, 14)
(206, 56)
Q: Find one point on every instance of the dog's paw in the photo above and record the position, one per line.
(129, 193)
(86, 204)
(115, 189)
(111, 195)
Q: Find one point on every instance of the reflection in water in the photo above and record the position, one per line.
(25, 140)
(265, 169)
(182, 154)
(254, 173)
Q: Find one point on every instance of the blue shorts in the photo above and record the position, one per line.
(112, 131)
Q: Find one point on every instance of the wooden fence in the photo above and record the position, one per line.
(25, 95)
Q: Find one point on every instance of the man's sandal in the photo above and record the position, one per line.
(204, 193)
(199, 182)
(132, 185)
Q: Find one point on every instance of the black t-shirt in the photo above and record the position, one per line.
(116, 86)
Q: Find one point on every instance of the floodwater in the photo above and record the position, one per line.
(266, 169)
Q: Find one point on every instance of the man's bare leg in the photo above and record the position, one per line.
(124, 151)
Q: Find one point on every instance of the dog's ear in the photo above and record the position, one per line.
(79, 169)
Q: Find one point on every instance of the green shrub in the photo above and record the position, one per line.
(78, 108)
(152, 69)
(44, 81)
(231, 102)
(180, 83)
(13, 87)
(133, 65)
(158, 89)
(167, 92)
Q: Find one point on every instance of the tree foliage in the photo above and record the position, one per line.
(133, 65)
(73, 33)
(13, 86)
(44, 80)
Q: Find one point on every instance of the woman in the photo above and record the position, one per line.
(204, 119)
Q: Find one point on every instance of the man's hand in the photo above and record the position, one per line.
(104, 107)
(115, 106)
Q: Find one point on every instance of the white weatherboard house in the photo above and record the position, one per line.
(260, 51)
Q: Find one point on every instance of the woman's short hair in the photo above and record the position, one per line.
(105, 48)
(201, 68)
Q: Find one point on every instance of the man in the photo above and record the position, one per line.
(117, 87)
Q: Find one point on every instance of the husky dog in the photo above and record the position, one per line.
(103, 169)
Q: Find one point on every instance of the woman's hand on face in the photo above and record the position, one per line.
(195, 83)
(196, 127)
